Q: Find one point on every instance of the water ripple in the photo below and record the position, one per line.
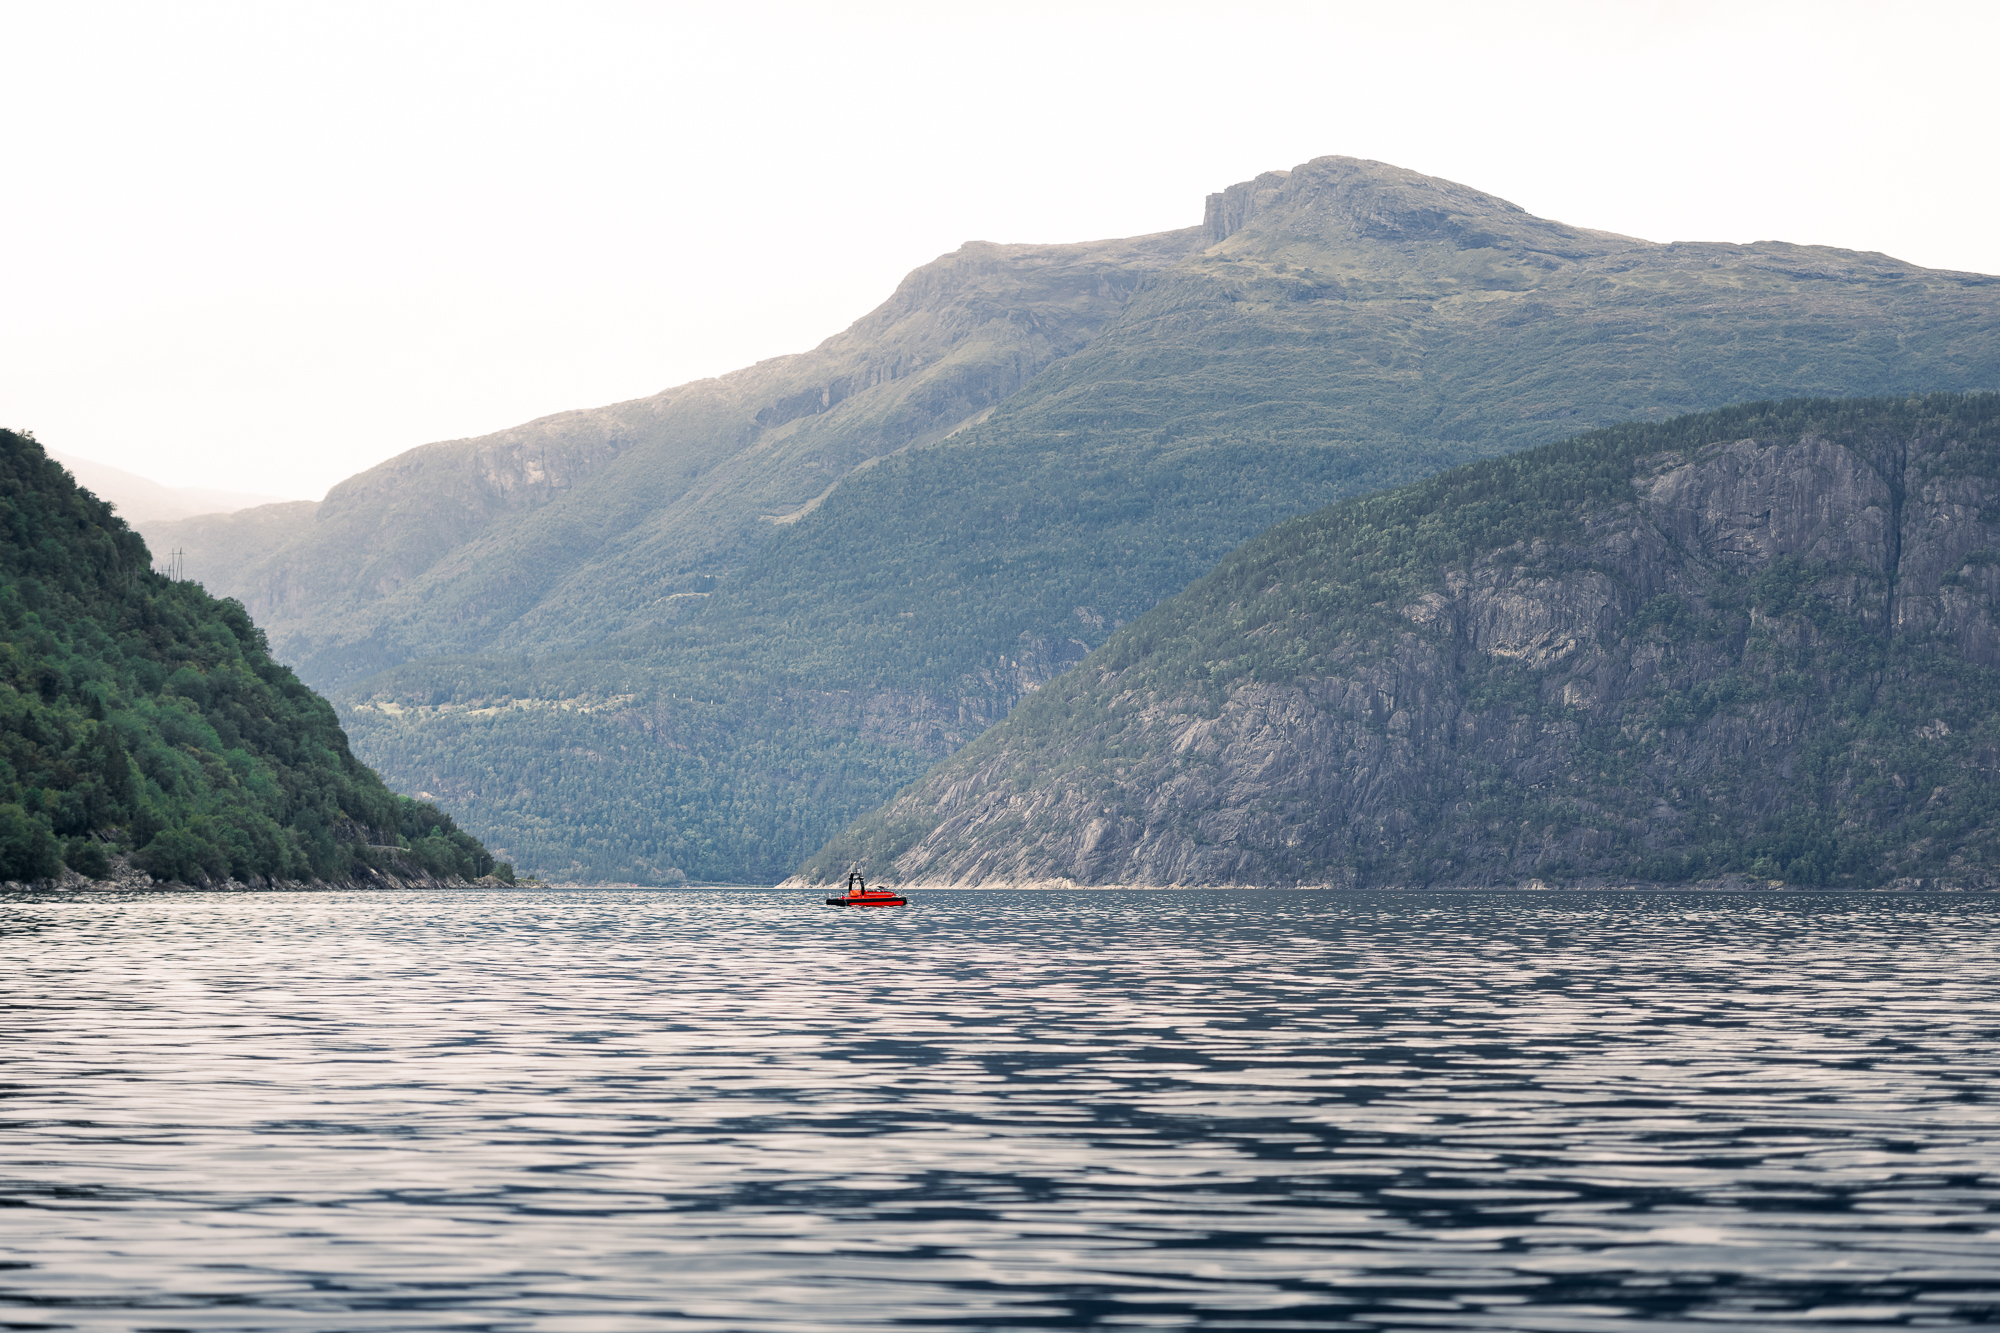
(738, 1110)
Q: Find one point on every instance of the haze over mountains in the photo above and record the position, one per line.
(141, 500)
(754, 607)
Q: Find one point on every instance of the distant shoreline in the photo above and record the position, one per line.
(54, 888)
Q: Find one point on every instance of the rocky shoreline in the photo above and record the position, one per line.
(124, 877)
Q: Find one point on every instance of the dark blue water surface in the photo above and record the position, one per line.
(616, 1109)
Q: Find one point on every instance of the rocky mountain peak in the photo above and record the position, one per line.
(1229, 211)
(1342, 202)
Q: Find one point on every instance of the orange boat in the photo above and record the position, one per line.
(860, 895)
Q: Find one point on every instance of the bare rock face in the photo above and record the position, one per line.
(1774, 654)
(1229, 211)
(1746, 504)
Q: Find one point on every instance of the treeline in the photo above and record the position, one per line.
(140, 715)
(658, 791)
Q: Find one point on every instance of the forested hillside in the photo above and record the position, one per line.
(702, 686)
(1762, 641)
(140, 715)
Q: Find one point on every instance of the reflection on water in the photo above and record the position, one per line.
(742, 1110)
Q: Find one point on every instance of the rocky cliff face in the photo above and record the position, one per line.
(1762, 642)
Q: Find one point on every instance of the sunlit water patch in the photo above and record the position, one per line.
(989, 1110)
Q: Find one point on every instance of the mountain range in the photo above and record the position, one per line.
(696, 634)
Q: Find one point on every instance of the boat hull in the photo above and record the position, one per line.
(870, 901)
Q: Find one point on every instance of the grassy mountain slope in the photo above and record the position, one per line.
(1349, 326)
(1763, 640)
(586, 524)
(141, 715)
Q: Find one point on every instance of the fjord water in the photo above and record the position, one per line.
(736, 1109)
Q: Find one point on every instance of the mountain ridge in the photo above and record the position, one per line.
(453, 531)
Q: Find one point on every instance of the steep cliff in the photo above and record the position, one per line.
(1764, 640)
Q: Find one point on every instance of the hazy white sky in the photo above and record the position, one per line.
(263, 246)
